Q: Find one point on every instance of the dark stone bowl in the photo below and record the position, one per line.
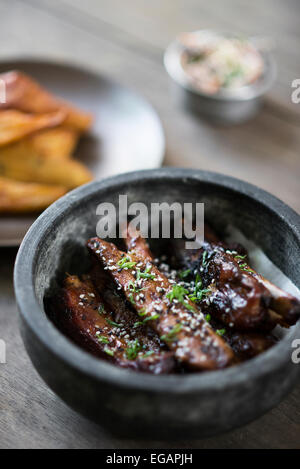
(132, 404)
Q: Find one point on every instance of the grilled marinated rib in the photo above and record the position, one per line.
(233, 295)
(286, 306)
(249, 344)
(180, 325)
(135, 242)
(245, 344)
(283, 308)
(123, 311)
(83, 316)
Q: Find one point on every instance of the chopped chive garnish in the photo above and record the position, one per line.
(100, 309)
(198, 292)
(179, 293)
(131, 286)
(149, 318)
(109, 351)
(145, 274)
(142, 313)
(126, 263)
(238, 257)
(184, 273)
(171, 335)
(220, 331)
(208, 317)
(103, 339)
(245, 268)
(131, 299)
(133, 349)
(113, 323)
(204, 263)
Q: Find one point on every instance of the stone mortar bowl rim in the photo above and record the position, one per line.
(33, 315)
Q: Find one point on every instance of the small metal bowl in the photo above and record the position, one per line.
(140, 404)
(226, 106)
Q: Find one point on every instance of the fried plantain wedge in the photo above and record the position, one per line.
(20, 197)
(80, 313)
(57, 143)
(14, 125)
(35, 168)
(170, 313)
(25, 94)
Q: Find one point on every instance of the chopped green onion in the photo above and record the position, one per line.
(133, 349)
(204, 259)
(131, 299)
(245, 268)
(149, 318)
(171, 335)
(131, 286)
(198, 292)
(103, 339)
(109, 351)
(179, 293)
(145, 274)
(184, 273)
(113, 323)
(126, 263)
(142, 313)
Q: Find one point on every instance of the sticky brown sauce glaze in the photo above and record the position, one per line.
(188, 311)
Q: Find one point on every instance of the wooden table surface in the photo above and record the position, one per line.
(125, 40)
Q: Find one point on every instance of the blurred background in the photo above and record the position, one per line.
(125, 41)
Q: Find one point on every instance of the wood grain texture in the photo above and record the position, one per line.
(125, 40)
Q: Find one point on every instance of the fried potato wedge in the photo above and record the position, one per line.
(14, 125)
(25, 94)
(35, 168)
(20, 197)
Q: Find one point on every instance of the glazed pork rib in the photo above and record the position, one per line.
(232, 295)
(285, 306)
(123, 312)
(135, 242)
(249, 344)
(244, 344)
(83, 316)
(240, 297)
(166, 309)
